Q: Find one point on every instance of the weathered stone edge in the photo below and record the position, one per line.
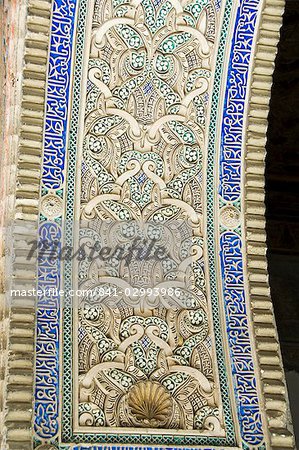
(266, 338)
(19, 365)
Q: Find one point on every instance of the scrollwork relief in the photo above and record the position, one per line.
(150, 363)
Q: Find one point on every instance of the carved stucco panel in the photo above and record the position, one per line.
(149, 84)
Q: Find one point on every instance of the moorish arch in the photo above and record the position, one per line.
(136, 308)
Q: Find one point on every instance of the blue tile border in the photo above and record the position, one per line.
(47, 407)
(231, 158)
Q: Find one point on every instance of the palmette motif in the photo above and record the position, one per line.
(150, 363)
(150, 404)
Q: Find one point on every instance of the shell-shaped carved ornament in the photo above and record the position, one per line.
(150, 404)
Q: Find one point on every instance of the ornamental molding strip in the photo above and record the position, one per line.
(267, 343)
(25, 32)
(129, 122)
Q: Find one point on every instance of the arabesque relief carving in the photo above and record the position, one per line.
(150, 72)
